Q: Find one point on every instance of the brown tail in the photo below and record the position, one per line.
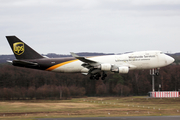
(21, 50)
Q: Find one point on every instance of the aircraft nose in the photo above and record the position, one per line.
(169, 59)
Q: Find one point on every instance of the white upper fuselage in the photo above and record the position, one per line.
(134, 60)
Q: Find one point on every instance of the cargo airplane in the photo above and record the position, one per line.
(95, 66)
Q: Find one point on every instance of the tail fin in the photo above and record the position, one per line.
(21, 50)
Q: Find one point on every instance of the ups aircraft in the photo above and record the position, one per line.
(95, 66)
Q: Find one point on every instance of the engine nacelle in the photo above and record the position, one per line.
(121, 70)
(106, 67)
(113, 68)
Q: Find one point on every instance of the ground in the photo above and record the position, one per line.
(89, 107)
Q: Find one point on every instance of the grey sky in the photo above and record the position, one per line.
(109, 26)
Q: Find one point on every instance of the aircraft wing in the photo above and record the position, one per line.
(97, 67)
(87, 62)
(83, 59)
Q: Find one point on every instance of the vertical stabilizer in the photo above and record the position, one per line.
(21, 50)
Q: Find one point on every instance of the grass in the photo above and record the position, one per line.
(89, 107)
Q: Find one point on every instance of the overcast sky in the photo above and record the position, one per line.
(108, 26)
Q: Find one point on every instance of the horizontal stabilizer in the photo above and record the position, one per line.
(24, 63)
(9, 61)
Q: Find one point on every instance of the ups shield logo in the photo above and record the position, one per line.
(18, 48)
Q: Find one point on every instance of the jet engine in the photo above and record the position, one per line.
(113, 68)
(123, 69)
(120, 69)
(106, 67)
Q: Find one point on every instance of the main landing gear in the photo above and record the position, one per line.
(98, 75)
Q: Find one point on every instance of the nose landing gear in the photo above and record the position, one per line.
(157, 71)
(154, 72)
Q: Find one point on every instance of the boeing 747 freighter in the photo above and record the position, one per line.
(95, 66)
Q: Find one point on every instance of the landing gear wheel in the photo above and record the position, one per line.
(103, 76)
(91, 77)
(157, 73)
(97, 76)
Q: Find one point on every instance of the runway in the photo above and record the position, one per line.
(119, 118)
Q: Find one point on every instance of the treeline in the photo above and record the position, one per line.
(43, 92)
(23, 83)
